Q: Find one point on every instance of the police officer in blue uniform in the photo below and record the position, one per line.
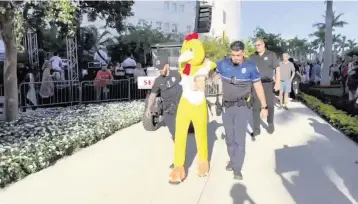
(238, 76)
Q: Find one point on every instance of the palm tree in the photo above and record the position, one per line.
(351, 44)
(336, 22)
(318, 42)
(328, 42)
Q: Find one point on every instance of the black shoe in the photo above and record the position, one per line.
(285, 107)
(270, 129)
(238, 175)
(229, 167)
(171, 166)
(255, 133)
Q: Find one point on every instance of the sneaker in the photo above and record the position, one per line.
(229, 167)
(271, 129)
(238, 175)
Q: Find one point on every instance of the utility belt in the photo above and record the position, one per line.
(169, 107)
(266, 80)
(239, 103)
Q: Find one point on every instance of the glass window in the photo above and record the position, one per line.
(166, 5)
(188, 29)
(166, 27)
(174, 5)
(182, 8)
(159, 25)
(174, 28)
(224, 17)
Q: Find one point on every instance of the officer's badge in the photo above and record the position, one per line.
(173, 79)
(266, 58)
(243, 70)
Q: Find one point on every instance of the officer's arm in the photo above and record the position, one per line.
(276, 66)
(153, 94)
(256, 80)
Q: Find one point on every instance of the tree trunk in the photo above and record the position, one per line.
(328, 44)
(11, 107)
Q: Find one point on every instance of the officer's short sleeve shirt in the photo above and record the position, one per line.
(237, 80)
(266, 63)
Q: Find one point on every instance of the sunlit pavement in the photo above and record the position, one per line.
(305, 161)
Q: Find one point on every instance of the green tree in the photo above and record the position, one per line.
(12, 31)
(274, 42)
(216, 48)
(351, 44)
(336, 22)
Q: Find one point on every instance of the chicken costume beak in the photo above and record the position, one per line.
(186, 56)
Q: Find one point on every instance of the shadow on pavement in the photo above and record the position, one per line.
(239, 194)
(313, 173)
(191, 149)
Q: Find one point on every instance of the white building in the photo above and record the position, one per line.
(226, 18)
(179, 16)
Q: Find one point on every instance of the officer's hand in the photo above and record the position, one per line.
(147, 113)
(277, 86)
(263, 114)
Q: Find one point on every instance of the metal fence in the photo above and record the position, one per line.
(64, 93)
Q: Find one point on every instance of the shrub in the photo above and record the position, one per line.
(40, 138)
(339, 119)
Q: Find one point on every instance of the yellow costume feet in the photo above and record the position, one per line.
(177, 175)
(203, 168)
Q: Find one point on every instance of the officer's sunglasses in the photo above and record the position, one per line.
(258, 45)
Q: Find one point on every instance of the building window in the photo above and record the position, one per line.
(166, 5)
(182, 8)
(188, 29)
(224, 17)
(166, 27)
(159, 25)
(174, 5)
(174, 28)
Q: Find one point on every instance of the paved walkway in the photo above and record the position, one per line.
(306, 161)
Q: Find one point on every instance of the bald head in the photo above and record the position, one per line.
(285, 57)
(260, 45)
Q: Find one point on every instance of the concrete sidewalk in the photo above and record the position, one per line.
(306, 161)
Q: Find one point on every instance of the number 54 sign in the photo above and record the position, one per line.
(145, 82)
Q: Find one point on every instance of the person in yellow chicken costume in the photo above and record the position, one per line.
(192, 107)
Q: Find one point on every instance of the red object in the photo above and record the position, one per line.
(345, 70)
(187, 68)
(102, 78)
(192, 36)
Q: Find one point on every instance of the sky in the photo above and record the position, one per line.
(295, 18)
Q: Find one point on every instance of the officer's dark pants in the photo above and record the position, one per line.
(269, 95)
(169, 120)
(235, 121)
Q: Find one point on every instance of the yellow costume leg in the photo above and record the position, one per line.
(200, 122)
(183, 120)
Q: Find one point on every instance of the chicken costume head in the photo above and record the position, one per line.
(192, 107)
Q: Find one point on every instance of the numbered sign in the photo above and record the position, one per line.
(145, 82)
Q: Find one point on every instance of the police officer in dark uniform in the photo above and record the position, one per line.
(238, 76)
(167, 84)
(266, 62)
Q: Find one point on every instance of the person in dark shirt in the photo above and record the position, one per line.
(296, 79)
(167, 84)
(238, 76)
(266, 62)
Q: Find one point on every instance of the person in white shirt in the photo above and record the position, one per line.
(119, 72)
(101, 56)
(129, 64)
(56, 65)
(307, 72)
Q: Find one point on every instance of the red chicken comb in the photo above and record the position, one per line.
(192, 36)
